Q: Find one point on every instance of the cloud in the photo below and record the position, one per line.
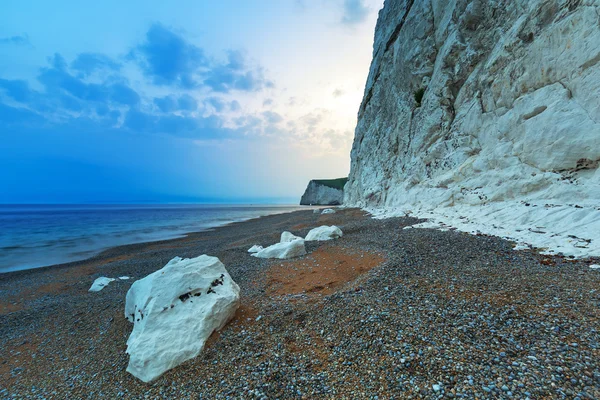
(354, 12)
(187, 103)
(18, 40)
(59, 81)
(16, 89)
(197, 128)
(91, 91)
(168, 59)
(216, 103)
(272, 117)
(12, 115)
(123, 94)
(88, 63)
(235, 75)
(168, 104)
(338, 93)
(268, 102)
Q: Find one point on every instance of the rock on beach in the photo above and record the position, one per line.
(174, 311)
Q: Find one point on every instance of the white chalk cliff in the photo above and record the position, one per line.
(485, 115)
(317, 193)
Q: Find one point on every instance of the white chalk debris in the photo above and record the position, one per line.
(255, 249)
(595, 266)
(284, 250)
(174, 310)
(328, 211)
(288, 237)
(100, 283)
(324, 233)
(124, 278)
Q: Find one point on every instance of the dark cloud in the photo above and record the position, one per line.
(235, 75)
(354, 12)
(57, 80)
(168, 59)
(88, 63)
(19, 40)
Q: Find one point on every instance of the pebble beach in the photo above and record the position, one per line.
(381, 313)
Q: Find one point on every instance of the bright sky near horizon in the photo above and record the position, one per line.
(154, 101)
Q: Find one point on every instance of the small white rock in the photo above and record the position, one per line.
(328, 211)
(595, 266)
(100, 283)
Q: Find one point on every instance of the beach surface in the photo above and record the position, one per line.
(383, 312)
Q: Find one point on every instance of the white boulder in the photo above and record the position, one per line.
(255, 249)
(328, 211)
(288, 237)
(283, 250)
(174, 310)
(123, 278)
(595, 266)
(100, 283)
(324, 233)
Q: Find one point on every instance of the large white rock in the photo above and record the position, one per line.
(100, 283)
(488, 113)
(255, 249)
(288, 237)
(284, 250)
(328, 211)
(324, 233)
(174, 310)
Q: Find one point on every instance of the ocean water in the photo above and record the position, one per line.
(34, 236)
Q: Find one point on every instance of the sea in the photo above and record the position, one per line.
(33, 236)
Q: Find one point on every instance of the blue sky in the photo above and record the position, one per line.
(154, 101)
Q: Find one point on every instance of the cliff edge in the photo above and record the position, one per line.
(485, 115)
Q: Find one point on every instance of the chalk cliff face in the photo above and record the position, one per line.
(471, 102)
(319, 194)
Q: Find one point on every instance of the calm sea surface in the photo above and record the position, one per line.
(34, 236)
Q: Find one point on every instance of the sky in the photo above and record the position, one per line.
(185, 101)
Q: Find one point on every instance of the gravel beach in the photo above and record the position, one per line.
(383, 312)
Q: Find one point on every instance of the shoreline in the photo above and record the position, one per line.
(102, 251)
(420, 307)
